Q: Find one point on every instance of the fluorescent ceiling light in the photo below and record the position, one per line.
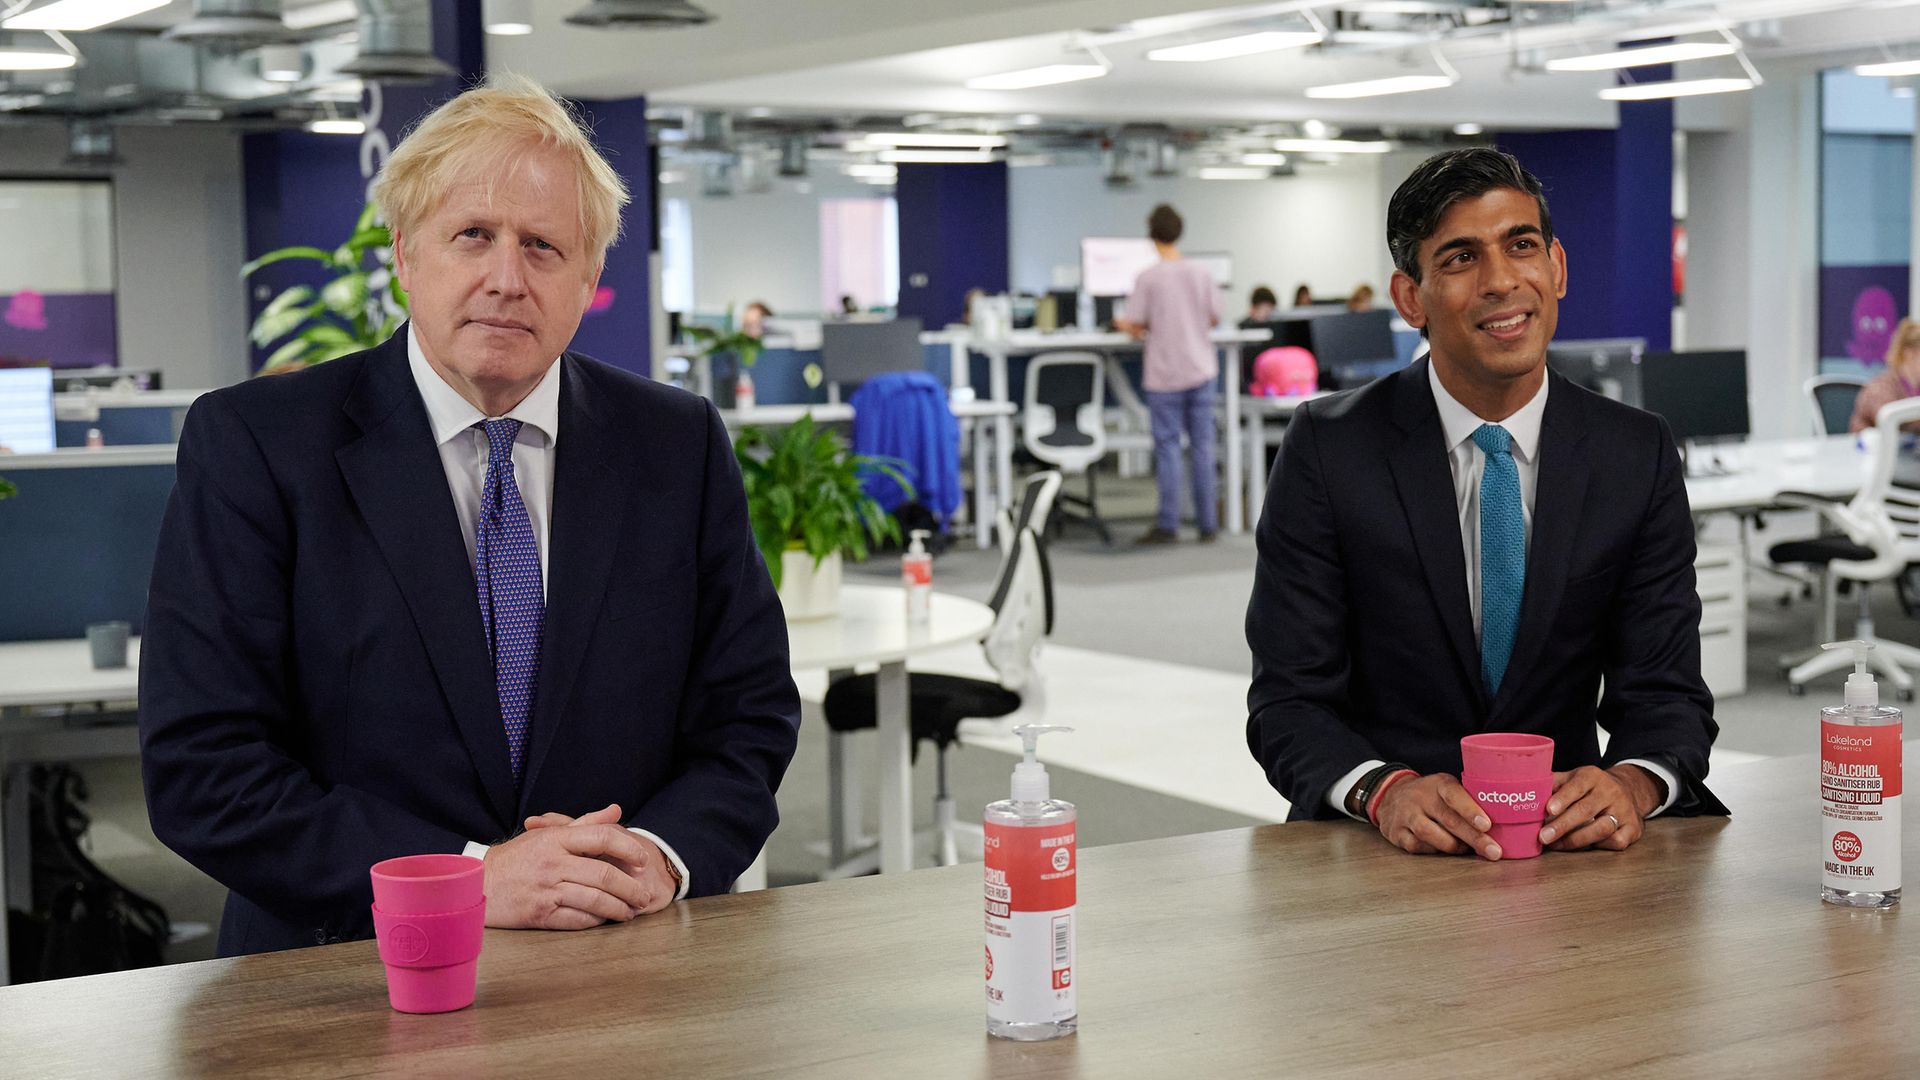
(1027, 119)
(1272, 161)
(873, 172)
(1232, 172)
(79, 14)
(19, 59)
(1467, 129)
(1398, 84)
(908, 138)
(337, 127)
(1640, 57)
(935, 157)
(1892, 68)
(1046, 75)
(322, 14)
(1679, 88)
(507, 18)
(1332, 146)
(1265, 41)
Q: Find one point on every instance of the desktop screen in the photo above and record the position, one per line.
(1609, 367)
(26, 410)
(853, 352)
(1109, 265)
(1352, 337)
(1702, 395)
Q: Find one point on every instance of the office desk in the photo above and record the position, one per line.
(1032, 343)
(1831, 465)
(37, 675)
(872, 629)
(992, 457)
(1258, 410)
(1306, 949)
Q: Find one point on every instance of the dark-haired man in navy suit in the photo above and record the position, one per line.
(465, 591)
(1475, 544)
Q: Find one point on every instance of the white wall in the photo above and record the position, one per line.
(179, 242)
(59, 237)
(1323, 227)
(761, 246)
(1781, 257)
(1718, 221)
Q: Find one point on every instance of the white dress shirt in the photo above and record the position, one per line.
(463, 454)
(1467, 462)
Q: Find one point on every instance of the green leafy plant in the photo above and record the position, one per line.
(714, 341)
(7, 490)
(360, 308)
(803, 494)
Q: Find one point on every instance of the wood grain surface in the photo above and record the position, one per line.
(1308, 949)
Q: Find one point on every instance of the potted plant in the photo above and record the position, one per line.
(807, 509)
(359, 308)
(745, 348)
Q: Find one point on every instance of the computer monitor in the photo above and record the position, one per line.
(26, 410)
(1105, 310)
(1703, 395)
(1066, 306)
(853, 352)
(1351, 337)
(1609, 367)
(1109, 265)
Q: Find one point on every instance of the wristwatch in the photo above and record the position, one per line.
(1368, 784)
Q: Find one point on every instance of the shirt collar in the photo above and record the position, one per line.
(450, 414)
(1459, 422)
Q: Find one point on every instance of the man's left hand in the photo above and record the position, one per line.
(1594, 807)
(653, 872)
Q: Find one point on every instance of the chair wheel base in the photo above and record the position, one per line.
(1796, 689)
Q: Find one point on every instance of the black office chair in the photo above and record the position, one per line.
(1022, 606)
(1062, 424)
(1833, 398)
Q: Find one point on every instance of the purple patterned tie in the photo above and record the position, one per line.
(513, 607)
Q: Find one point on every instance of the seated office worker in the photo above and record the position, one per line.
(465, 591)
(1472, 544)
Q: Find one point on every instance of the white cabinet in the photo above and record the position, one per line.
(1720, 570)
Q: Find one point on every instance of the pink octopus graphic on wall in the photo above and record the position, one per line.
(1875, 314)
(27, 311)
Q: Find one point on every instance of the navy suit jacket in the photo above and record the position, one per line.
(1360, 624)
(316, 693)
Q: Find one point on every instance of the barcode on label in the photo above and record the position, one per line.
(1062, 941)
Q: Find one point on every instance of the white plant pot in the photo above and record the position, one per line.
(807, 591)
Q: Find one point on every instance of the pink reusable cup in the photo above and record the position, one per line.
(1511, 776)
(429, 915)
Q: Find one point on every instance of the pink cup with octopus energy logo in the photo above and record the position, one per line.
(1511, 776)
(429, 916)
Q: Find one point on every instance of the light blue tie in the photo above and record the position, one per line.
(513, 606)
(1503, 553)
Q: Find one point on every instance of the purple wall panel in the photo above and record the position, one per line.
(1859, 309)
(66, 330)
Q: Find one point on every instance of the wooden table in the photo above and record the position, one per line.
(1301, 950)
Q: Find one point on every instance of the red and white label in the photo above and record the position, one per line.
(1030, 889)
(1860, 784)
(916, 571)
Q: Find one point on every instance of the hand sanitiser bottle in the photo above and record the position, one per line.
(1032, 865)
(916, 576)
(1860, 793)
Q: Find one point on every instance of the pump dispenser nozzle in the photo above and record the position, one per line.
(1861, 690)
(1030, 782)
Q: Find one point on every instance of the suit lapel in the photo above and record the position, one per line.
(588, 507)
(1425, 483)
(1560, 490)
(396, 479)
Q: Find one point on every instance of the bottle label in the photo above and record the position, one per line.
(916, 571)
(1860, 806)
(1030, 886)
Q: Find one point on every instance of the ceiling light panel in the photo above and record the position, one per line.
(1891, 69)
(1397, 84)
(933, 138)
(79, 14)
(1643, 56)
(1046, 75)
(1332, 146)
(1227, 48)
(1680, 88)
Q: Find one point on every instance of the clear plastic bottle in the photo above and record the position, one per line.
(1032, 867)
(1860, 785)
(916, 576)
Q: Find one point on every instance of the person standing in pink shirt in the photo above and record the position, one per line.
(1174, 306)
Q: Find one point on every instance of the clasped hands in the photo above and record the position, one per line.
(1590, 807)
(567, 873)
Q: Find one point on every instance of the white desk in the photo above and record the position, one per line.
(39, 674)
(992, 457)
(872, 629)
(1254, 430)
(1831, 466)
(1032, 342)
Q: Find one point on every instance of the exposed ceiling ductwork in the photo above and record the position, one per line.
(231, 24)
(396, 43)
(640, 15)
